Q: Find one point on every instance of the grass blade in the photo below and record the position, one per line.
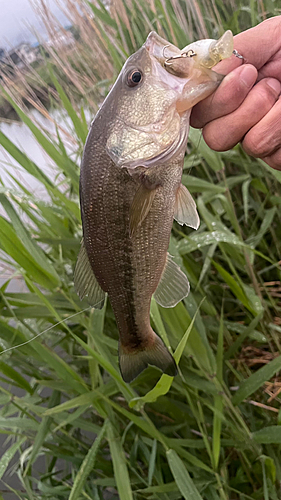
(79, 126)
(182, 478)
(256, 380)
(8, 455)
(218, 400)
(268, 435)
(119, 465)
(87, 465)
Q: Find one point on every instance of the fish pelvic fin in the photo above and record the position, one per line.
(85, 281)
(185, 209)
(132, 363)
(173, 285)
(140, 207)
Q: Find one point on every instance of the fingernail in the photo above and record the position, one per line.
(275, 85)
(248, 75)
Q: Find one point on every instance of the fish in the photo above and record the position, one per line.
(131, 191)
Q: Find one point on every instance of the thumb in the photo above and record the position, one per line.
(227, 98)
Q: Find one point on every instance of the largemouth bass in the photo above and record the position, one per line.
(130, 190)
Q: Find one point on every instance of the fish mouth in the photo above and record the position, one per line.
(159, 48)
(204, 53)
(186, 71)
(179, 79)
(160, 53)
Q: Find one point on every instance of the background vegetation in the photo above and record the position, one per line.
(77, 431)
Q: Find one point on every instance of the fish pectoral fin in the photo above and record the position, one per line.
(185, 209)
(85, 281)
(156, 354)
(173, 285)
(140, 207)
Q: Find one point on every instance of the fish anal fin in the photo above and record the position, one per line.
(156, 354)
(140, 207)
(185, 209)
(173, 285)
(85, 281)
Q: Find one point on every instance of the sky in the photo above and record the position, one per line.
(15, 15)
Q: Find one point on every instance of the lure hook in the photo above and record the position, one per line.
(166, 47)
(169, 60)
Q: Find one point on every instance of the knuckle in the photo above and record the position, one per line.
(214, 137)
(265, 95)
(273, 162)
(275, 27)
(231, 91)
(256, 144)
(198, 116)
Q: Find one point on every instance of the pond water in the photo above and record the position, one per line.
(20, 135)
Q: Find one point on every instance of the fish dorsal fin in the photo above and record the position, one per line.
(173, 285)
(85, 281)
(140, 207)
(185, 210)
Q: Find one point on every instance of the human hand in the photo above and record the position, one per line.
(247, 105)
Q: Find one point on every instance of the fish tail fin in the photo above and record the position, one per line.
(156, 354)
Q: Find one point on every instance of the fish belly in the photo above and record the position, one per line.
(127, 268)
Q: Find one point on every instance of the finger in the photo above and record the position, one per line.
(225, 132)
(228, 97)
(272, 68)
(265, 137)
(274, 160)
(257, 45)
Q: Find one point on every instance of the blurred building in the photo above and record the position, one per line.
(61, 39)
(21, 55)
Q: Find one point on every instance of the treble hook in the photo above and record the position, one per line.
(169, 60)
(166, 46)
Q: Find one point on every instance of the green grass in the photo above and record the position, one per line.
(211, 433)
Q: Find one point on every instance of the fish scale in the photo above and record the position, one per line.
(130, 192)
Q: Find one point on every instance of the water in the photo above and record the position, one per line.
(20, 135)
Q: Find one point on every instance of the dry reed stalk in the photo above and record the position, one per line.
(172, 33)
(119, 11)
(91, 36)
(263, 406)
(216, 17)
(158, 24)
(198, 19)
(263, 12)
(180, 16)
(85, 64)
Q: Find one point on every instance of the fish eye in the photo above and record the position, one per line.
(134, 77)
